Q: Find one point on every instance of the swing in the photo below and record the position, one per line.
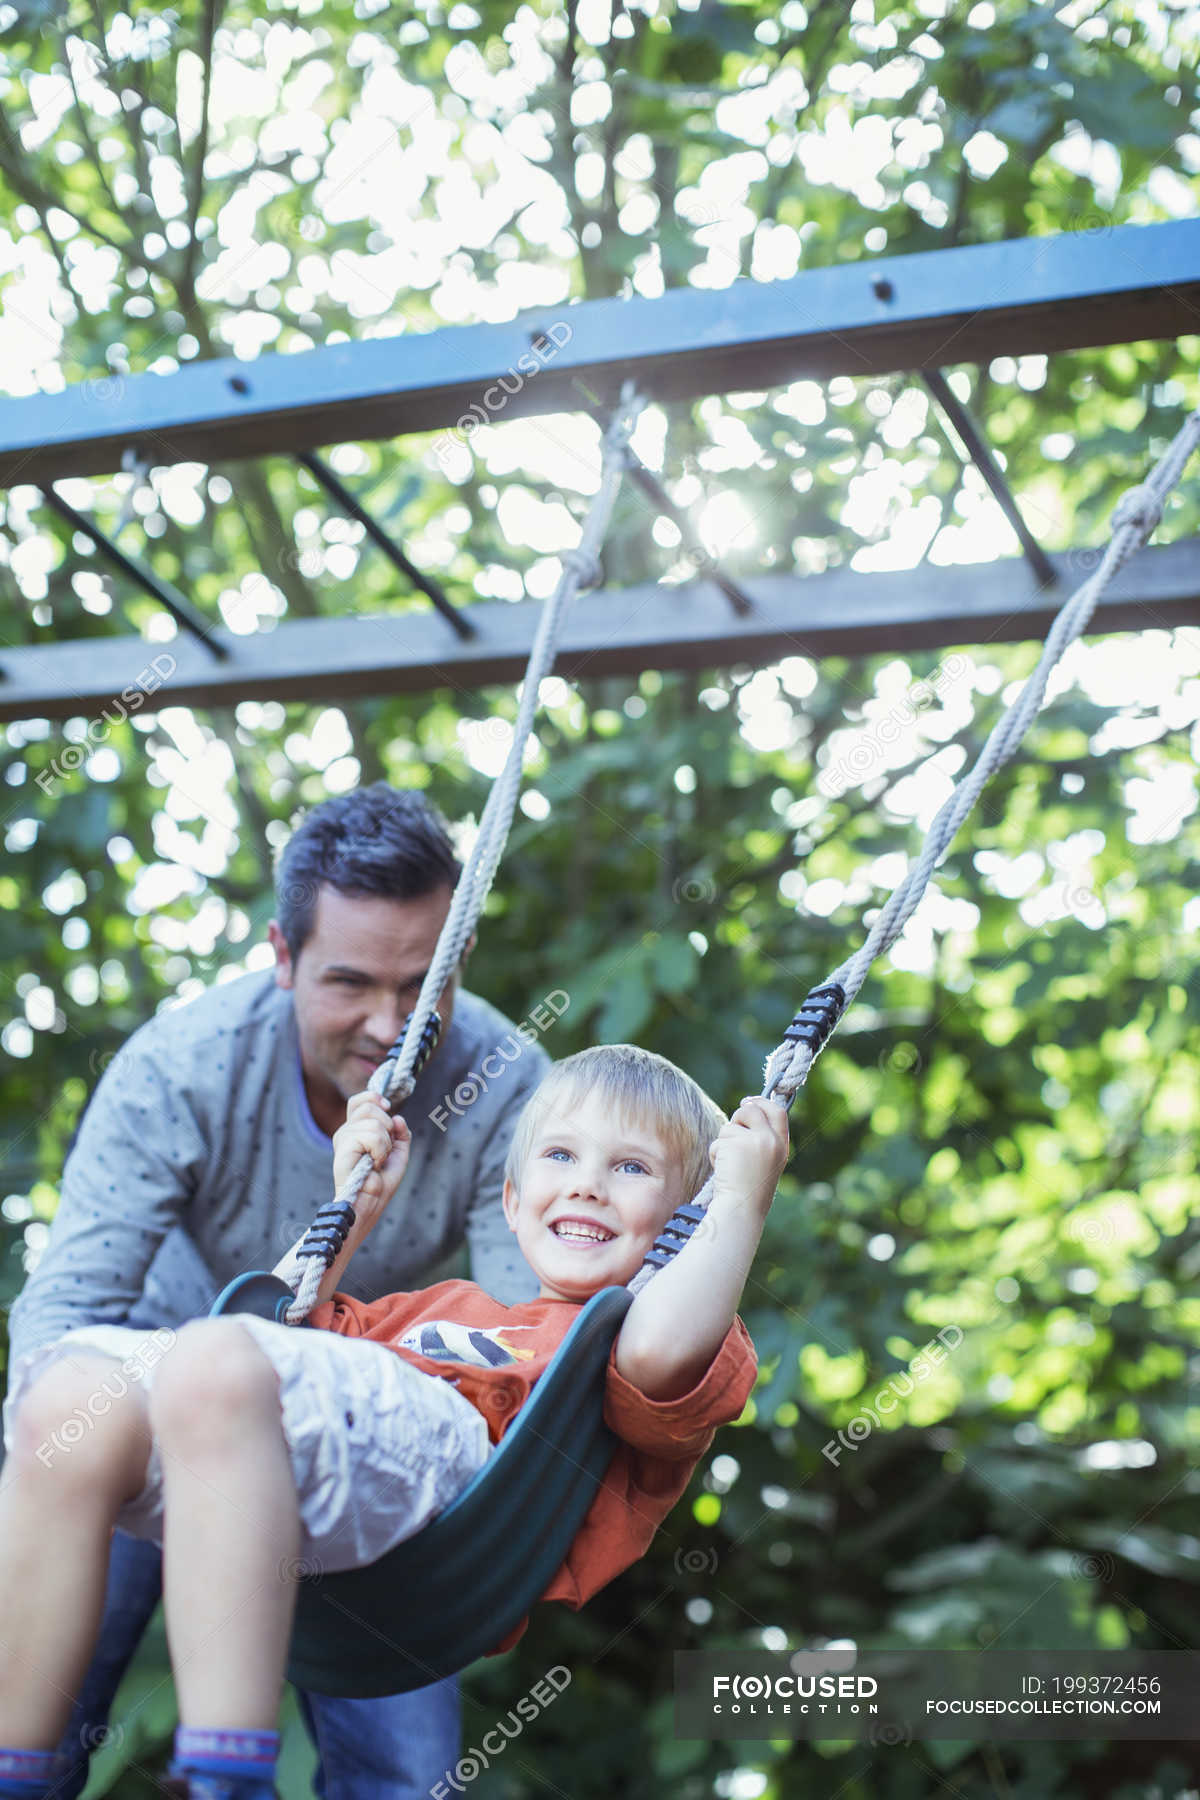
(451, 1593)
(441, 1599)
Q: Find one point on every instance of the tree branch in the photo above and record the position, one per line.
(15, 170)
(93, 153)
(186, 285)
(135, 135)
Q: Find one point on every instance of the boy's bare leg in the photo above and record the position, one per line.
(81, 1443)
(232, 1526)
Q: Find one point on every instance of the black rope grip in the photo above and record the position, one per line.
(675, 1233)
(427, 1046)
(328, 1231)
(820, 1012)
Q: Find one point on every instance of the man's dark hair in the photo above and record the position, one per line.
(379, 840)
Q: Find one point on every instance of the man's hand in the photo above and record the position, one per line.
(372, 1131)
(749, 1154)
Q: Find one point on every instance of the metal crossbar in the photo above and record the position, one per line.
(981, 454)
(180, 608)
(354, 509)
(618, 632)
(859, 319)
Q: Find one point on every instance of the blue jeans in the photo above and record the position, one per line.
(391, 1749)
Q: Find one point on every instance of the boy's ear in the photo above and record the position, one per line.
(508, 1199)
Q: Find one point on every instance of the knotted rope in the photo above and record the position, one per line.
(394, 1077)
(1134, 518)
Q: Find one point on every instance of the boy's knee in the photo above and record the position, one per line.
(214, 1383)
(66, 1418)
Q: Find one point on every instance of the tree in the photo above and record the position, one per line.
(997, 1143)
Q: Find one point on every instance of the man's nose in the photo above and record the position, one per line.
(384, 1021)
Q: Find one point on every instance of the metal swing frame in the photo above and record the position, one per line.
(918, 312)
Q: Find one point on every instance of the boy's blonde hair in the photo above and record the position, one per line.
(638, 1085)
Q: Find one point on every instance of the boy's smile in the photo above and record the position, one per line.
(595, 1192)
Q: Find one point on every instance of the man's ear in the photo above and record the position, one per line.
(508, 1199)
(285, 971)
(467, 949)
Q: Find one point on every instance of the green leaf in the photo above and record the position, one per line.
(674, 963)
(625, 1011)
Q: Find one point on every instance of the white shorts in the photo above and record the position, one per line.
(377, 1447)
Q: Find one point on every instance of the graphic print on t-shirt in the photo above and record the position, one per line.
(445, 1340)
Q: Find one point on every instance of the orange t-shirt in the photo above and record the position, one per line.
(494, 1354)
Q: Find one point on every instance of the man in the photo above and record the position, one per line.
(206, 1150)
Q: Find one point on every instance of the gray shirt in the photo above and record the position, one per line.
(199, 1158)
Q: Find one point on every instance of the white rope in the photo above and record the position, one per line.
(1134, 518)
(394, 1078)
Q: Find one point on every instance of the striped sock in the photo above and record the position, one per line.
(236, 1756)
(27, 1774)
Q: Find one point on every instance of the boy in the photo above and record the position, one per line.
(250, 1447)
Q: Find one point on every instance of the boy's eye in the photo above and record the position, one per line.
(556, 1151)
(631, 1162)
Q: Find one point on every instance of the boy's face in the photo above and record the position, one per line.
(595, 1193)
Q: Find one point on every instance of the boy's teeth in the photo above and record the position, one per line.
(589, 1232)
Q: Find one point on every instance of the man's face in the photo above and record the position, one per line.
(354, 982)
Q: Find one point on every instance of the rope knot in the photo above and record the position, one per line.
(584, 566)
(1141, 508)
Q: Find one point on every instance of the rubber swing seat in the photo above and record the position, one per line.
(447, 1596)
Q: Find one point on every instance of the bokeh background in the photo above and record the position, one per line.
(1001, 1137)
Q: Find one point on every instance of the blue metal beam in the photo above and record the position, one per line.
(865, 318)
(616, 631)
